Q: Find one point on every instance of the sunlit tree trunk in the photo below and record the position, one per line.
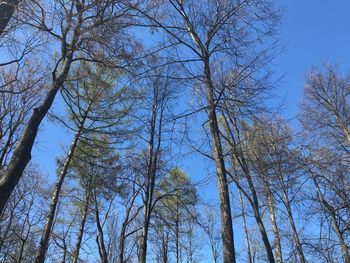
(225, 208)
(44, 241)
(81, 229)
(331, 211)
(271, 205)
(246, 232)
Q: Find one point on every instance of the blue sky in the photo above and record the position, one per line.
(312, 31)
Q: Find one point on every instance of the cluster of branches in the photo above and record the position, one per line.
(127, 104)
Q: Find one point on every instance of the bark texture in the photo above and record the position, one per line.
(225, 208)
(44, 241)
(7, 8)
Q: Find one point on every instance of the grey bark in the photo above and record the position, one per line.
(246, 233)
(331, 211)
(228, 249)
(100, 237)
(44, 241)
(7, 8)
(22, 153)
(81, 229)
(154, 147)
(271, 205)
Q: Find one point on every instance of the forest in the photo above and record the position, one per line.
(154, 131)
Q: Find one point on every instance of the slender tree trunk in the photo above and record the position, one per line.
(271, 205)
(177, 236)
(43, 245)
(7, 8)
(143, 239)
(22, 153)
(295, 232)
(122, 243)
(255, 205)
(254, 201)
(293, 226)
(81, 229)
(228, 248)
(124, 229)
(246, 233)
(332, 213)
(150, 180)
(64, 256)
(20, 254)
(225, 208)
(100, 237)
(143, 244)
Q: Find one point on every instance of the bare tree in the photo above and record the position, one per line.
(211, 33)
(325, 116)
(157, 100)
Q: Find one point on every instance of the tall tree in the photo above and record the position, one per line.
(77, 28)
(157, 100)
(213, 33)
(95, 104)
(325, 116)
(176, 207)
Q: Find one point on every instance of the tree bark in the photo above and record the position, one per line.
(177, 237)
(271, 205)
(294, 230)
(225, 208)
(332, 213)
(254, 202)
(100, 236)
(81, 229)
(7, 8)
(246, 233)
(22, 153)
(151, 174)
(43, 245)
(255, 205)
(291, 219)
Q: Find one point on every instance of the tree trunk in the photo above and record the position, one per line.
(123, 233)
(291, 222)
(22, 153)
(332, 213)
(295, 232)
(100, 236)
(254, 201)
(255, 205)
(271, 205)
(7, 8)
(43, 245)
(143, 245)
(177, 237)
(150, 180)
(122, 242)
(64, 256)
(81, 229)
(225, 208)
(246, 233)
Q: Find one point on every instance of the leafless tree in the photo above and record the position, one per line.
(213, 34)
(325, 116)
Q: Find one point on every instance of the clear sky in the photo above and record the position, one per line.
(312, 31)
